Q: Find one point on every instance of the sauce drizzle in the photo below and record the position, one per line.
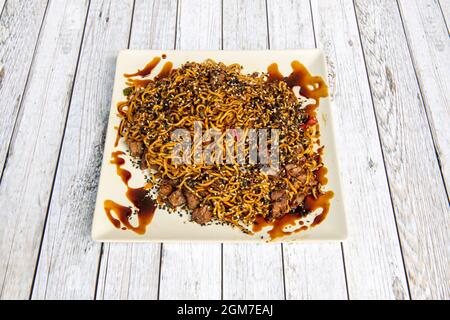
(147, 69)
(290, 220)
(165, 71)
(139, 197)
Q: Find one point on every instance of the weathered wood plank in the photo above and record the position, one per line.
(33, 155)
(20, 24)
(372, 253)
(68, 263)
(429, 43)
(312, 271)
(2, 4)
(131, 271)
(193, 271)
(417, 189)
(445, 7)
(250, 271)
(190, 271)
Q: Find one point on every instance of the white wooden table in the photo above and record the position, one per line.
(391, 61)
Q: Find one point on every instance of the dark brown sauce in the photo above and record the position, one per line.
(312, 87)
(139, 83)
(145, 206)
(279, 226)
(322, 202)
(165, 71)
(274, 73)
(322, 175)
(147, 69)
(164, 56)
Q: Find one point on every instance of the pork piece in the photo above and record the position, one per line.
(293, 170)
(278, 195)
(165, 188)
(298, 200)
(192, 200)
(144, 164)
(297, 172)
(136, 148)
(177, 198)
(280, 208)
(201, 215)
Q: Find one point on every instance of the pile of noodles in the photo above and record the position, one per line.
(221, 97)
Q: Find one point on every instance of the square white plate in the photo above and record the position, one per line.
(171, 227)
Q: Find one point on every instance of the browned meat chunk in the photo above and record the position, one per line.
(298, 200)
(165, 188)
(293, 170)
(280, 208)
(144, 164)
(177, 198)
(278, 195)
(136, 148)
(201, 215)
(192, 200)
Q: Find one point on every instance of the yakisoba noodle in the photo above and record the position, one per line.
(221, 97)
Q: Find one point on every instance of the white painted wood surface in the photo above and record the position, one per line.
(154, 25)
(34, 149)
(20, 24)
(2, 4)
(445, 7)
(430, 51)
(417, 189)
(69, 259)
(372, 255)
(391, 95)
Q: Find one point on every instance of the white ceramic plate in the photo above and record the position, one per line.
(171, 227)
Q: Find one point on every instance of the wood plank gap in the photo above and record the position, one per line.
(3, 5)
(312, 23)
(284, 271)
(99, 263)
(345, 271)
(131, 24)
(268, 35)
(443, 14)
(160, 267)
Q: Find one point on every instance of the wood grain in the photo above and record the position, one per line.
(68, 263)
(312, 271)
(417, 189)
(250, 271)
(131, 271)
(33, 156)
(445, 7)
(429, 44)
(372, 253)
(20, 24)
(193, 270)
(2, 4)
